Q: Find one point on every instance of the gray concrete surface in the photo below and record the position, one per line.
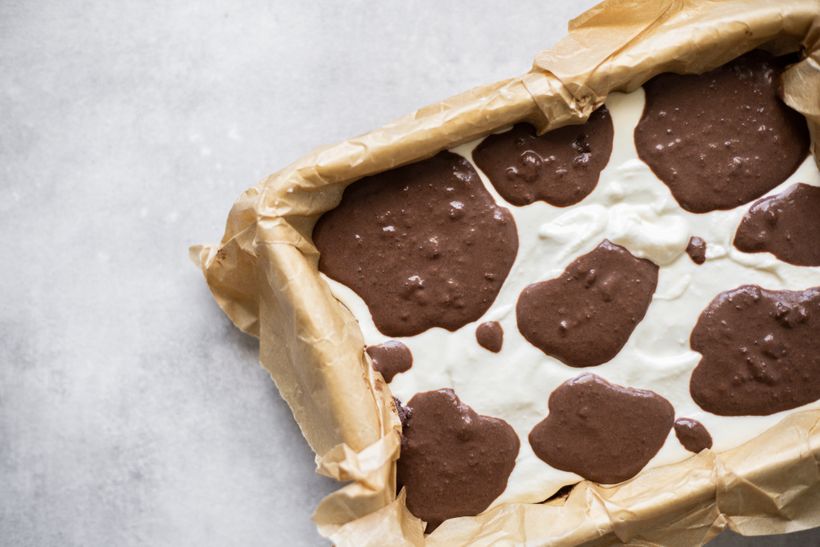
(131, 412)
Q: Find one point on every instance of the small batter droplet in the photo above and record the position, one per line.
(390, 358)
(786, 225)
(723, 138)
(585, 316)
(761, 352)
(604, 432)
(560, 167)
(453, 461)
(490, 336)
(696, 249)
(692, 435)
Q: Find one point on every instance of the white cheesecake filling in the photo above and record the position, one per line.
(631, 207)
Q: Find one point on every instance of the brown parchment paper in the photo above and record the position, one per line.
(264, 277)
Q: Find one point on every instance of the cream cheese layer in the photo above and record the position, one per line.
(631, 207)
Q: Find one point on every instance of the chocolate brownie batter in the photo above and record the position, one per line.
(723, 138)
(453, 462)
(390, 358)
(692, 435)
(604, 432)
(490, 336)
(696, 249)
(560, 167)
(424, 245)
(786, 225)
(402, 411)
(585, 316)
(761, 351)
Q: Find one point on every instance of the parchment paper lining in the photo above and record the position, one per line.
(264, 277)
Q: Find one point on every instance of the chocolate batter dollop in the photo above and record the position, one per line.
(696, 249)
(490, 336)
(604, 432)
(424, 245)
(560, 167)
(453, 461)
(692, 435)
(786, 225)
(723, 138)
(761, 351)
(390, 358)
(585, 316)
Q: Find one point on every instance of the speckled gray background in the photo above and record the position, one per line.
(131, 412)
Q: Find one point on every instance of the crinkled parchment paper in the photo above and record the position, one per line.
(264, 276)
